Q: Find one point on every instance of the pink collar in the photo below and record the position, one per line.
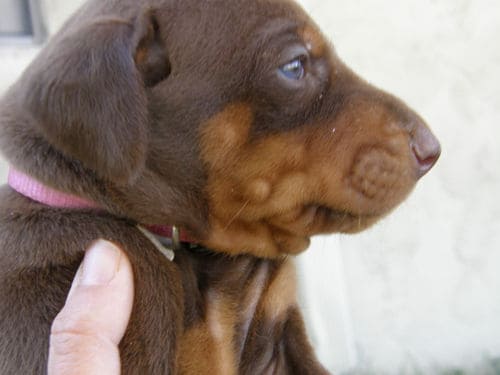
(37, 191)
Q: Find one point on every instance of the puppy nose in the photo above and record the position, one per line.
(425, 147)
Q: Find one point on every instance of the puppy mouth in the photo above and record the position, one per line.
(313, 219)
(328, 220)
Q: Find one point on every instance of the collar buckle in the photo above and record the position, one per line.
(166, 246)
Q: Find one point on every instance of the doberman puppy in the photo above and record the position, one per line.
(231, 119)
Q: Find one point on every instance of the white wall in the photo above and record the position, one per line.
(422, 289)
(420, 292)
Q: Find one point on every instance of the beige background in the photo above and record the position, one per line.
(419, 293)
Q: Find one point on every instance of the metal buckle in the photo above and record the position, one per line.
(168, 250)
(176, 238)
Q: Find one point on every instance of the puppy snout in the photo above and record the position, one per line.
(424, 146)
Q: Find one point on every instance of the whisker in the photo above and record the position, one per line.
(237, 214)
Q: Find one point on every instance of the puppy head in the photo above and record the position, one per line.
(234, 119)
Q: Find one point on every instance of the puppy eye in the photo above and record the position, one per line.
(295, 69)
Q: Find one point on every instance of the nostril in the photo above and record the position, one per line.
(426, 149)
(426, 160)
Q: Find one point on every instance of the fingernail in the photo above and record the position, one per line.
(100, 264)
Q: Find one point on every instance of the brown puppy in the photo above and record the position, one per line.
(233, 119)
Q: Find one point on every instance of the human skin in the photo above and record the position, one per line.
(86, 333)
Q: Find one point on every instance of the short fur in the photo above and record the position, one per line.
(175, 112)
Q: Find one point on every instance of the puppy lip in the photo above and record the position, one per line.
(329, 220)
(336, 212)
(319, 218)
(330, 214)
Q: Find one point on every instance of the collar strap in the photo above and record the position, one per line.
(35, 190)
(38, 192)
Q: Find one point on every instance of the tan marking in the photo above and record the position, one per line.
(221, 320)
(259, 190)
(225, 134)
(211, 343)
(141, 55)
(314, 40)
(251, 182)
(142, 50)
(197, 343)
(281, 293)
(290, 243)
(241, 237)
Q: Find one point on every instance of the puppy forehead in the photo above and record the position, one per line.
(235, 25)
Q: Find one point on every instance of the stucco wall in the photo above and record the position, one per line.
(420, 292)
(422, 288)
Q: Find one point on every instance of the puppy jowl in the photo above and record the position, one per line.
(232, 120)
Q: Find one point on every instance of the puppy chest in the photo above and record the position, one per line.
(240, 324)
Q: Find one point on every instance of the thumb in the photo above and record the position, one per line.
(85, 334)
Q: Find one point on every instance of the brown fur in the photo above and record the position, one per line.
(175, 112)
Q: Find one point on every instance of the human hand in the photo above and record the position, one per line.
(85, 334)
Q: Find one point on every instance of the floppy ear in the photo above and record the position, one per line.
(87, 92)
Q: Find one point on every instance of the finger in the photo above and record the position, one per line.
(85, 335)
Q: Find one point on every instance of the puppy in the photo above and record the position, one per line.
(233, 120)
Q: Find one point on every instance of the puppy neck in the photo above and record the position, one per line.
(165, 238)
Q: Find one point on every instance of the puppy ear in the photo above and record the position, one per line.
(87, 92)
